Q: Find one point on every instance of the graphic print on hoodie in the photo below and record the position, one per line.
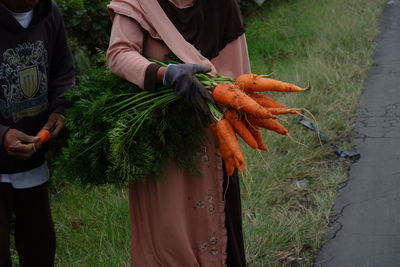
(36, 68)
(24, 69)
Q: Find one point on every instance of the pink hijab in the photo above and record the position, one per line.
(149, 14)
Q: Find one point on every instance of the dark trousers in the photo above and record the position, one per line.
(34, 230)
(233, 222)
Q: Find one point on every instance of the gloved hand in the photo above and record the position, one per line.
(181, 77)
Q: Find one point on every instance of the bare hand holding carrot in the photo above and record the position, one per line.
(19, 144)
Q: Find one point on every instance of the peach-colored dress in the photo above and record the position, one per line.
(180, 222)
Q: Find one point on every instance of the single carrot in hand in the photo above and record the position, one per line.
(44, 136)
(240, 128)
(269, 124)
(231, 95)
(266, 101)
(253, 82)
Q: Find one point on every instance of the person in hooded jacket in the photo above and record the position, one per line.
(187, 220)
(36, 68)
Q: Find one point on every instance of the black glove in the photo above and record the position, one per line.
(181, 77)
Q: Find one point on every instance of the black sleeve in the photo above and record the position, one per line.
(62, 74)
(3, 130)
(150, 78)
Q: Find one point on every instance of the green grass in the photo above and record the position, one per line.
(92, 226)
(330, 44)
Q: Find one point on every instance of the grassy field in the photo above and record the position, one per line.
(328, 44)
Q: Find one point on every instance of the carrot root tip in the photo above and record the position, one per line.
(308, 87)
(266, 75)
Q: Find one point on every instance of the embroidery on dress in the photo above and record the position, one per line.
(203, 154)
(214, 252)
(209, 204)
(211, 245)
(200, 204)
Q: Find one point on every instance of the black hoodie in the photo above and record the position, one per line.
(36, 67)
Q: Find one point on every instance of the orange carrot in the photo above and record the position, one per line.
(229, 145)
(227, 156)
(256, 132)
(231, 95)
(229, 166)
(253, 82)
(272, 105)
(266, 101)
(240, 128)
(239, 164)
(226, 132)
(281, 111)
(226, 153)
(44, 136)
(269, 124)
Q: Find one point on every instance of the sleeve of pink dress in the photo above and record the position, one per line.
(124, 56)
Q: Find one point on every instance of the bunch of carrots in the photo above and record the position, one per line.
(246, 113)
(116, 118)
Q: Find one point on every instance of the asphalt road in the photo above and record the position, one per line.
(366, 230)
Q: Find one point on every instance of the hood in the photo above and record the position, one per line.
(41, 12)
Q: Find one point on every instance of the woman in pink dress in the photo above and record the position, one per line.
(187, 220)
